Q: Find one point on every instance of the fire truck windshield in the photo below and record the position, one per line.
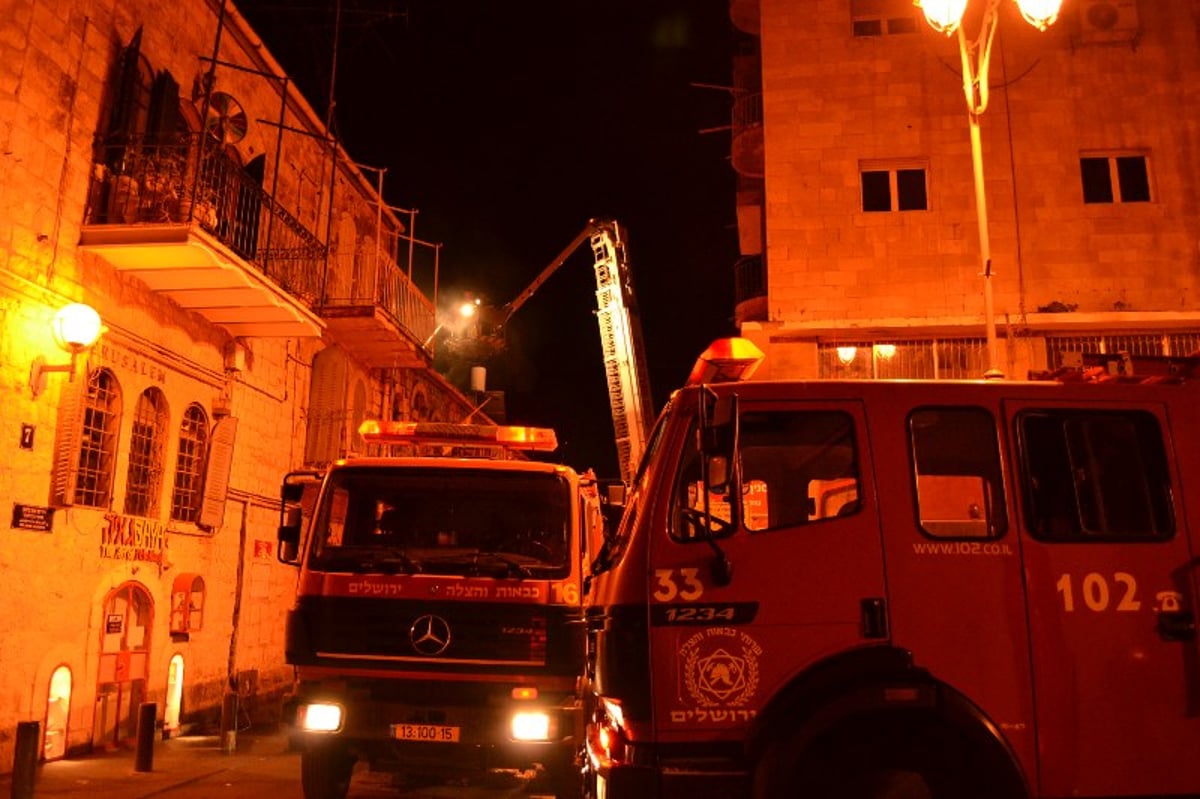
(443, 521)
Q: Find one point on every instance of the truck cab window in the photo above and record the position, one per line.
(1090, 475)
(794, 468)
(956, 471)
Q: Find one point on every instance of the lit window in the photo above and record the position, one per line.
(98, 440)
(1113, 179)
(189, 465)
(144, 479)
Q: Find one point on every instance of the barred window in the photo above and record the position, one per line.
(98, 440)
(189, 465)
(937, 359)
(144, 480)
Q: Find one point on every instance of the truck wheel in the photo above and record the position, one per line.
(325, 771)
(880, 759)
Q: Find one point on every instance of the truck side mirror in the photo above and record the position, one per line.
(718, 439)
(290, 520)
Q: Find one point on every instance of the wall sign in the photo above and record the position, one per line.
(32, 517)
(133, 538)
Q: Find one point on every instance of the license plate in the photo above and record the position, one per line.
(430, 733)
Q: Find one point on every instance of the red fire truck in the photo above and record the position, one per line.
(909, 588)
(437, 630)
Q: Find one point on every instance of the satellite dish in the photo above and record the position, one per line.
(226, 121)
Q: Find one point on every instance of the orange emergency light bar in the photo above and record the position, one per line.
(507, 436)
(726, 360)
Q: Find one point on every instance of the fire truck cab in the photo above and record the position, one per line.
(437, 629)
(934, 589)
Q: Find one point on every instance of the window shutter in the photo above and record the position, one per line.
(66, 441)
(326, 407)
(125, 97)
(216, 476)
(162, 127)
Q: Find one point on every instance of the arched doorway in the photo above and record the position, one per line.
(174, 696)
(124, 662)
(58, 711)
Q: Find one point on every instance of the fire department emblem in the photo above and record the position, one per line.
(720, 667)
(430, 635)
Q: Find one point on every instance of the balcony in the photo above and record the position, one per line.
(192, 224)
(746, 150)
(375, 311)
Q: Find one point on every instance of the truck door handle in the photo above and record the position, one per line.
(1177, 625)
(874, 618)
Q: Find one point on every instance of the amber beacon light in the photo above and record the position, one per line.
(75, 328)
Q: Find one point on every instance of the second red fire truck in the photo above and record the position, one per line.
(437, 630)
(936, 589)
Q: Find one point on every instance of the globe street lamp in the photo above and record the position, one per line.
(946, 16)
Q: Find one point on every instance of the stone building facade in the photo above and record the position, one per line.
(259, 299)
(857, 218)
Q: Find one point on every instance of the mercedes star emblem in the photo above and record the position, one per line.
(430, 635)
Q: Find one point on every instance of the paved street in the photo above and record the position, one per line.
(195, 767)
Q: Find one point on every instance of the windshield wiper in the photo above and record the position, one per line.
(389, 560)
(472, 559)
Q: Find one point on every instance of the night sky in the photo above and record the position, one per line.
(509, 125)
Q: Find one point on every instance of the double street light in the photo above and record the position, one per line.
(946, 16)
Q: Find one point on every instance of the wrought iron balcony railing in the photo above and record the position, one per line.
(143, 190)
(188, 180)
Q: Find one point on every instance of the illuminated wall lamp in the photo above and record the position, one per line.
(75, 328)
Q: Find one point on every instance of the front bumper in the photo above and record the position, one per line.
(370, 729)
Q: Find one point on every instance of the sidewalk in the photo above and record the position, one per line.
(176, 762)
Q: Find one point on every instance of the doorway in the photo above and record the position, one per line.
(124, 662)
(58, 711)
(174, 697)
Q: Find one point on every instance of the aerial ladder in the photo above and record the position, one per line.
(620, 337)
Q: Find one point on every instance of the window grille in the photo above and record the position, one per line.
(144, 479)
(189, 465)
(98, 440)
(1136, 344)
(1184, 343)
(929, 360)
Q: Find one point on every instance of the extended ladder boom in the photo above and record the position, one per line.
(620, 337)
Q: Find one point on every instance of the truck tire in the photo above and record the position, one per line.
(325, 771)
(880, 759)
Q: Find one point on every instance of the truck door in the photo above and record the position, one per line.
(954, 572)
(1107, 565)
(804, 559)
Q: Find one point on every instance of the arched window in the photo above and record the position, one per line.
(98, 440)
(189, 465)
(144, 480)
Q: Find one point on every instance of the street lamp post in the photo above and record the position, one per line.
(946, 16)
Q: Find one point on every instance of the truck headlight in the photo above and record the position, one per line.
(531, 725)
(319, 717)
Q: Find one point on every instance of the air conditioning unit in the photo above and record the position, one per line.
(1105, 21)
